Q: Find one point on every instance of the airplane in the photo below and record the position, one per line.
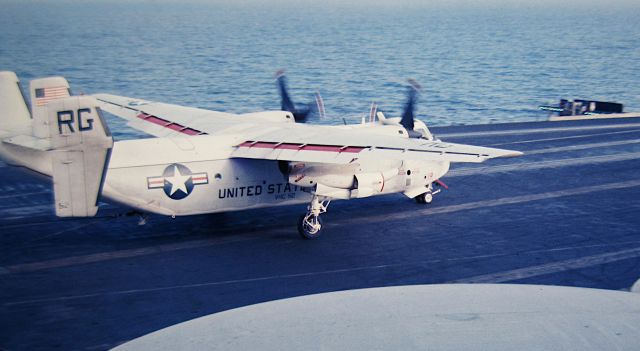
(201, 161)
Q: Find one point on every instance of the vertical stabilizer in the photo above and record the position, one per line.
(67, 138)
(14, 113)
(81, 145)
(44, 91)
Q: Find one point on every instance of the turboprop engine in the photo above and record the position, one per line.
(363, 180)
(342, 181)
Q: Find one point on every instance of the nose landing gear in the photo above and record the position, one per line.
(427, 197)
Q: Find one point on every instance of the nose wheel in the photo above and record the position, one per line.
(310, 224)
(425, 198)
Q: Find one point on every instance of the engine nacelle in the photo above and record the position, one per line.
(340, 177)
(370, 183)
(344, 180)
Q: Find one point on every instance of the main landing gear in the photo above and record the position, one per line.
(310, 224)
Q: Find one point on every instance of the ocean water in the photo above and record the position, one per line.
(476, 64)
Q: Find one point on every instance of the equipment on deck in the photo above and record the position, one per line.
(583, 107)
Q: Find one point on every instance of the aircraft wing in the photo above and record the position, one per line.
(161, 120)
(330, 144)
(263, 139)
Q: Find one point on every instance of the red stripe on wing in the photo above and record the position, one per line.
(168, 124)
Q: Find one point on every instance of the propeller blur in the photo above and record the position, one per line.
(203, 161)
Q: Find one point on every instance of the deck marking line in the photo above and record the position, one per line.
(584, 262)
(581, 136)
(25, 194)
(534, 165)
(554, 267)
(496, 202)
(582, 147)
(236, 281)
(540, 130)
(112, 255)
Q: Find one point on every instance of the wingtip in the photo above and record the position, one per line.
(504, 153)
(513, 153)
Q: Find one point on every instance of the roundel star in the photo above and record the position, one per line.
(178, 181)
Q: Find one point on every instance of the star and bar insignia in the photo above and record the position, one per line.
(177, 181)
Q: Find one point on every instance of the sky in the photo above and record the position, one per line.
(550, 4)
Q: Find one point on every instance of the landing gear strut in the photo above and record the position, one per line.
(310, 224)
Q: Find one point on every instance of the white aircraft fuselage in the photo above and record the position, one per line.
(203, 161)
(173, 176)
(187, 176)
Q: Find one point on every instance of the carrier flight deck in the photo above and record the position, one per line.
(565, 213)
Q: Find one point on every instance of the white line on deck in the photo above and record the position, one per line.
(113, 255)
(26, 211)
(582, 147)
(30, 209)
(492, 203)
(25, 194)
(539, 130)
(554, 267)
(129, 253)
(542, 269)
(534, 165)
(592, 136)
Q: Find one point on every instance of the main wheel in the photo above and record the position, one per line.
(309, 226)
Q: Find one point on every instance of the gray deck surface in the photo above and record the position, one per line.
(566, 213)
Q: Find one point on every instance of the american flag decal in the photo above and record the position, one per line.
(45, 95)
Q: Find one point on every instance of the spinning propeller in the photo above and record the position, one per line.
(407, 120)
(299, 115)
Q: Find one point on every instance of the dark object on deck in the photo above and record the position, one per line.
(583, 107)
